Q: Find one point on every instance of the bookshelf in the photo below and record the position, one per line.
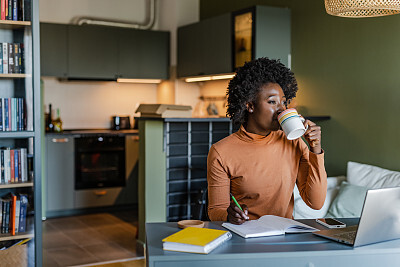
(21, 88)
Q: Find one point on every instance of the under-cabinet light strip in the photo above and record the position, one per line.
(121, 80)
(209, 78)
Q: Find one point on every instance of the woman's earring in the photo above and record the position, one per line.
(251, 110)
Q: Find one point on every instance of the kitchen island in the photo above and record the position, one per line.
(173, 166)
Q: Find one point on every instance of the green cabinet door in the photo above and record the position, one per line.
(143, 54)
(92, 52)
(60, 172)
(205, 47)
(272, 33)
(217, 45)
(53, 50)
(190, 50)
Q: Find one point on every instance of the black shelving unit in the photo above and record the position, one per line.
(187, 143)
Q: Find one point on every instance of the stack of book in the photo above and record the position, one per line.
(13, 213)
(14, 166)
(11, 58)
(18, 10)
(12, 114)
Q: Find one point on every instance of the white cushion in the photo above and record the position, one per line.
(302, 211)
(348, 202)
(370, 176)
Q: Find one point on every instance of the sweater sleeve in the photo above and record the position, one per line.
(312, 178)
(218, 187)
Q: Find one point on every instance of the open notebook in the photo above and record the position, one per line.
(268, 225)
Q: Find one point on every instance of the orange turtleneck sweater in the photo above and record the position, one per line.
(261, 171)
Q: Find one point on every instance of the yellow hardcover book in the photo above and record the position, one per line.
(196, 240)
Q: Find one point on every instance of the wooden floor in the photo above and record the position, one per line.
(101, 239)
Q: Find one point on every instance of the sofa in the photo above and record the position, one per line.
(345, 194)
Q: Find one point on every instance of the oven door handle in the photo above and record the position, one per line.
(100, 193)
(60, 140)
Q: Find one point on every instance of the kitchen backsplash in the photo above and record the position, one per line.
(90, 104)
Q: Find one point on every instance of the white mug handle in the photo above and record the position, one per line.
(303, 120)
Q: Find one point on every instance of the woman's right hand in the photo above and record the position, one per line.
(235, 215)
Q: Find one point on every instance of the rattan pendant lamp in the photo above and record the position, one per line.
(362, 8)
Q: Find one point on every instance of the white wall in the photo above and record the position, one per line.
(91, 104)
(63, 11)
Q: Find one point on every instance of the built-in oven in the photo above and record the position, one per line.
(99, 161)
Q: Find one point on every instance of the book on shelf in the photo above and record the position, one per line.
(24, 165)
(9, 9)
(3, 9)
(15, 10)
(23, 207)
(27, 10)
(5, 58)
(1, 58)
(13, 115)
(268, 225)
(16, 58)
(12, 168)
(17, 213)
(13, 213)
(21, 57)
(1, 115)
(17, 169)
(11, 58)
(196, 240)
(1, 214)
(6, 214)
(2, 169)
(7, 165)
(14, 165)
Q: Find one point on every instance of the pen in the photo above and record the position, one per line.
(234, 200)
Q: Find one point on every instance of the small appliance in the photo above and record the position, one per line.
(120, 122)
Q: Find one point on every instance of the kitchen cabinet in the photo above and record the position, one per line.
(62, 198)
(221, 44)
(53, 49)
(143, 54)
(103, 53)
(261, 31)
(92, 52)
(60, 172)
(205, 47)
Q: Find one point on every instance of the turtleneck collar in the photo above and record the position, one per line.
(252, 137)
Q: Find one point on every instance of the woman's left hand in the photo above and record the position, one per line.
(313, 136)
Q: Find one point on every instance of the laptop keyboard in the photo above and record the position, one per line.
(346, 235)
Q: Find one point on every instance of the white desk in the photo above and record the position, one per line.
(286, 250)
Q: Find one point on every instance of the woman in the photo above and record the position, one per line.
(258, 165)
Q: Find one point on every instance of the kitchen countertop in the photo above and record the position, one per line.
(83, 132)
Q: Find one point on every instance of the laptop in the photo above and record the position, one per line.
(379, 221)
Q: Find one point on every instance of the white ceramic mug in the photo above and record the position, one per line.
(292, 124)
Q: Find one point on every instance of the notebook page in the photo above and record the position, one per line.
(253, 229)
(285, 224)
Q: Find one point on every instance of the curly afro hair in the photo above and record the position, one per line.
(247, 83)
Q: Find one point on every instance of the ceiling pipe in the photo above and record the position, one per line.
(148, 23)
